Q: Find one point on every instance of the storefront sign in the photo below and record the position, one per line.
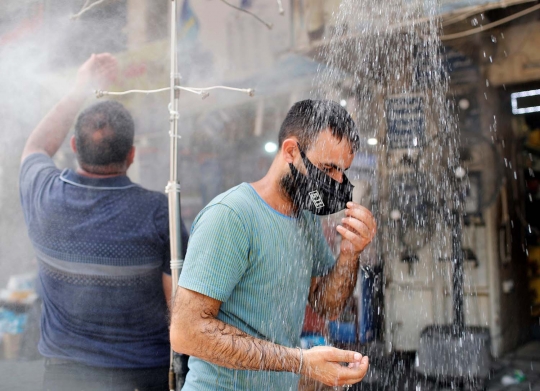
(462, 68)
(405, 120)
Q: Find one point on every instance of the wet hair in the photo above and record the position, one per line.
(104, 136)
(308, 118)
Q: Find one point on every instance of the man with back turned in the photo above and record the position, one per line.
(257, 255)
(102, 244)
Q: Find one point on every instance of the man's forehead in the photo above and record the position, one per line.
(327, 144)
(333, 153)
(327, 138)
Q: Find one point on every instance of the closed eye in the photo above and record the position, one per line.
(328, 169)
(331, 169)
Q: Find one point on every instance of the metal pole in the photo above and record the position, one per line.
(457, 255)
(173, 186)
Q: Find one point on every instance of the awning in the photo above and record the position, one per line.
(290, 68)
(452, 7)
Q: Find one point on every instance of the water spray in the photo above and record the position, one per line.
(453, 19)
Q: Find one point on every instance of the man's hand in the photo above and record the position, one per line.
(98, 72)
(326, 364)
(328, 294)
(196, 331)
(357, 230)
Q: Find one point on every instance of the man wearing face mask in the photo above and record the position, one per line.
(257, 254)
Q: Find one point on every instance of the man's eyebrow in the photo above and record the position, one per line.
(335, 166)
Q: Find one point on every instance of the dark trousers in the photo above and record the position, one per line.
(68, 376)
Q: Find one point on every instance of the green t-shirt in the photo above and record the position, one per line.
(259, 264)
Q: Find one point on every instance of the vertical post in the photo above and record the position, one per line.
(173, 186)
(457, 258)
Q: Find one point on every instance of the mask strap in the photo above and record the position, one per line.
(302, 154)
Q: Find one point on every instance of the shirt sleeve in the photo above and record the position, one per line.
(324, 260)
(217, 254)
(36, 171)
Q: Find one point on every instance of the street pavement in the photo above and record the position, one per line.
(525, 359)
(21, 375)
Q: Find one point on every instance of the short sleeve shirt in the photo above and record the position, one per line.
(102, 246)
(259, 264)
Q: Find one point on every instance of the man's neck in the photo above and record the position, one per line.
(87, 174)
(269, 189)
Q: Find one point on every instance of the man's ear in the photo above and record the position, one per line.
(73, 144)
(289, 150)
(130, 157)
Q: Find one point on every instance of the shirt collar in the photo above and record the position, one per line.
(118, 182)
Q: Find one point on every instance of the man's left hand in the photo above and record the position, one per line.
(357, 229)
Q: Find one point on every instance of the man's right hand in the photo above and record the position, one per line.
(326, 364)
(98, 72)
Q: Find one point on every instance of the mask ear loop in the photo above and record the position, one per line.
(305, 160)
(302, 153)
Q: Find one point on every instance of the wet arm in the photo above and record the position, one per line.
(50, 133)
(329, 294)
(196, 331)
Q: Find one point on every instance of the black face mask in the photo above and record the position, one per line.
(316, 192)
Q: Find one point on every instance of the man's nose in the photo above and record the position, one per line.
(337, 176)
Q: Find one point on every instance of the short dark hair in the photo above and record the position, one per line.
(308, 118)
(116, 137)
